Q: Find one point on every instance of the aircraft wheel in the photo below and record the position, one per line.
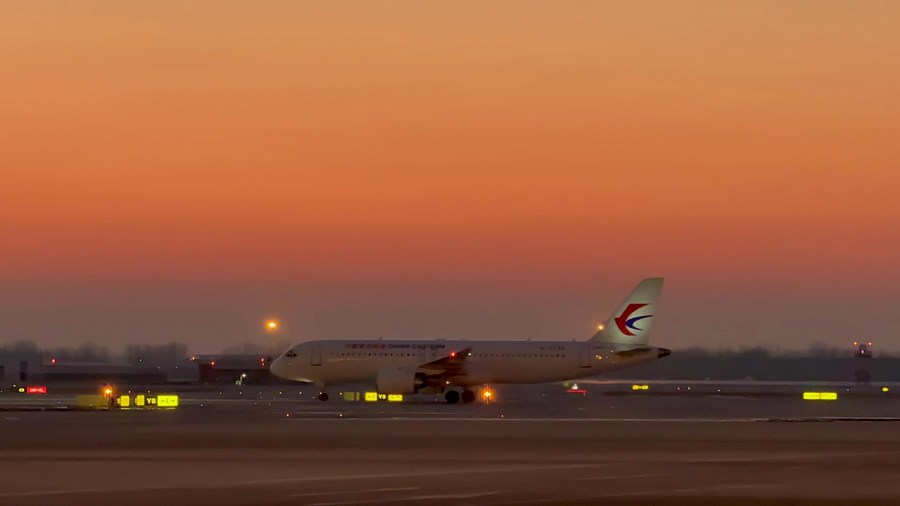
(323, 396)
(452, 397)
(468, 396)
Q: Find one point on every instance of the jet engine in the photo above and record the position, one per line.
(398, 380)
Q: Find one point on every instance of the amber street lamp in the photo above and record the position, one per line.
(271, 327)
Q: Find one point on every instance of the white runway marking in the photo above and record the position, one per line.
(622, 477)
(346, 492)
(77, 491)
(298, 417)
(377, 476)
(694, 490)
(407, 499)
(341, 477)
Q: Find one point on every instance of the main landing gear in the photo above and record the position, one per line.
(323, 396)
(453, 396)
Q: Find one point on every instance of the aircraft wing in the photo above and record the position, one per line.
(448, 365)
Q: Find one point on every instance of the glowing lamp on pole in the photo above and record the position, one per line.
(271, 327)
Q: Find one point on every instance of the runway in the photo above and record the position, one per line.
(559, 451)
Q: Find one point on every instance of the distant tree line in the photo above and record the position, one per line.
(176, 352)
(136, 354)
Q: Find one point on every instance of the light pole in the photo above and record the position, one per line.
(271, 327)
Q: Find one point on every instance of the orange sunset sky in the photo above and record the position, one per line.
(179, 171)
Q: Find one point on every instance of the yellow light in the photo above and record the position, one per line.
(885, 389)
(139, 400)
(488, 394)
(645, 387)
(167, 401)
(394, 397)
(599, 327)
(271, 325)
(371, 396)
(124, 401)
(21, 390)
(107, 391)
(820, 396)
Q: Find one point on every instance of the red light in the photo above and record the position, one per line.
(52, 360)
(39, 389)
(212, 363)
(452, 354)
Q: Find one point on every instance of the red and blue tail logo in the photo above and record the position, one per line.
(627, 323)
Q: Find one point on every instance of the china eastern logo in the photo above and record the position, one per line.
(627, 323)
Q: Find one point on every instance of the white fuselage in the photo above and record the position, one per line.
(333, 362)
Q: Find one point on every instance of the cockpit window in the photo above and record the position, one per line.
(290, 354)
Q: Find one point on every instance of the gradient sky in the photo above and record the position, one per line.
(180, 171)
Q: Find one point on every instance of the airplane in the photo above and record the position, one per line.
(454, 367)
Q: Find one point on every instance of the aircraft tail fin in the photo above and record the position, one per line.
(632, 322)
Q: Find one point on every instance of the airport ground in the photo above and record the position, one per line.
(279, 447)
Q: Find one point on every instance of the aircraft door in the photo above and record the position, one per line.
(315, 355)
(584, 356)
(422, 356)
